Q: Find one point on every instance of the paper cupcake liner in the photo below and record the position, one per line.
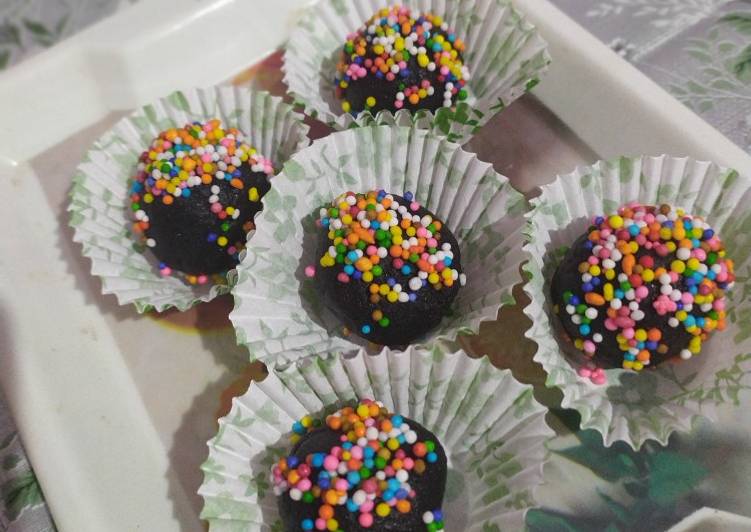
(505, 54)
(491, 427)
(652, 404)
(278, 315)
(100, 193)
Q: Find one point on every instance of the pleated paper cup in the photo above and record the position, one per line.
(635, 407)
(491, 427)
(278, 314)
(99, 199)
(504, 52)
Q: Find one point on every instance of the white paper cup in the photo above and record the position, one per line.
(505, 55)
(277, 311)
(99, 198)
(491, 427)
(652, 404)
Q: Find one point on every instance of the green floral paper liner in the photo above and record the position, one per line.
(652, 404)
(493, 430)
(278, 315)
(99, 195)
(505, 54)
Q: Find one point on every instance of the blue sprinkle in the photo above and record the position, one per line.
(365, 329)
(432, 457)
(307, 524)
(394, 485)
(574, 300)
(397, 421)
(298, 428)
(388, 495)
(352, 505)
(401, 493)
(619, 294)
(347, 445)
(651, 345)
(357, 275)
(412, 296)
(292, 461)
(708, 233)
(391, 281)
(448, 261)
(408, 196)
(349, 269)
(186, 192)
(406, 270)
(352, 256)
(353, 477)
(587, 287)
(584, 329)
(629, 356)
(368, 452)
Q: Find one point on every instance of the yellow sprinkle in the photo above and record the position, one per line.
(370, 101)
(222, 241)
(393, 297)
(648, 275)
(367, 276)
(433, 278)
(640, 335)
(345, 106)
(607, 291)
(615, 221)
(148, 198)
(253, 194)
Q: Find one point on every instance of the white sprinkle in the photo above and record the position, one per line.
(686, 354)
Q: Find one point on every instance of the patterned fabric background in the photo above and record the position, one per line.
(700, 51)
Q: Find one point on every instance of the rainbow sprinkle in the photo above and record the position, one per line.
(365, 229)
(649, 259)
(368, 473)
(197, 155)
(420, 52)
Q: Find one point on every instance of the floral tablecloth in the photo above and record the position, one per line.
(700, 51)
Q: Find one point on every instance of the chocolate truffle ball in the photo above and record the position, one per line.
(371, 470)
(194, 197)
(387, 268)
(401, 60)
(643, 286)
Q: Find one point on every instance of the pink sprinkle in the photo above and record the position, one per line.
(593, 260)
(341, 484)
(398, 263)
(408, 463)
(445, 70)
(369, 486)
(432, 243)
(356, 452)
(216, 207)
(330, 463)
(206, 157)
(687, 298)
(699, 253)
(414, 206)
(365, 520)
(310, 271)
(627, 333)
(589, 347)
(610, 325)
(390, 76)
(304, 470)
(166, 271)
(421, 232)
(202, 279)
(439, 266)
(320, 524)
(368, 505)
(642, 292)
(371, 250)
(600, 379)
(398, 104)
(585, 372)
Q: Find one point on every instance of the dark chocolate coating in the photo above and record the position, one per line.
(181, 229)
(350, 302)
(608, 354)
(429, 487)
